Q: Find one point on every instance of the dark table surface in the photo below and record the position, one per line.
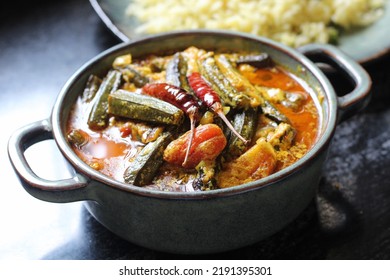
(43, 42)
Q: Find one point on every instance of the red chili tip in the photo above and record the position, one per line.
(226, 121)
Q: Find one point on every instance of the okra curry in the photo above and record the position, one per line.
(194, 120)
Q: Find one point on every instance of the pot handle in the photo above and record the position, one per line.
(64, 190)
(358, 98)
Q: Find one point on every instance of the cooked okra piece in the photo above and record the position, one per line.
(98, 117)
(134, 76)
(228, 94)
(141, 107)
(245, 123)
(239, 82)
(176, 72)
(270, 111)
(91, 88)
(243, 85)
(261, 60)
(78, 137)
(145, 166)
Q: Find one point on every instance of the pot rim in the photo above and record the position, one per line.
(321, 143)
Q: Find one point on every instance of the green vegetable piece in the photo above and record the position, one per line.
(245, 123)
(228, 94)
(244, 86)
(78, 137)
(145, 166)
(135, 76)
(144, 108)
(261, 60)
(238, 81)
(98, 117)
(93, 84)
(176, 72)
(270, 111)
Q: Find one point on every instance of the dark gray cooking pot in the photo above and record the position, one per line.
(200, 222)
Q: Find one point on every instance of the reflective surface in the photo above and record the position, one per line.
(43, 44)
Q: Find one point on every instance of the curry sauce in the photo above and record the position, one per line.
(160, 126)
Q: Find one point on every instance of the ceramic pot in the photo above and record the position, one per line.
(198, 222)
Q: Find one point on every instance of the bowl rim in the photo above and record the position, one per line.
(318, 147)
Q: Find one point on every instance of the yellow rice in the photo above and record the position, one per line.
(292, 22)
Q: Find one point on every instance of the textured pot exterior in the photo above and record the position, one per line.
(200, 226)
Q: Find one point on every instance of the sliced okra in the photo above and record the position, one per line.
(143, 108)
(228, 94)
(78, 137)
(91, 88)
(243, 85)
(98, 117)
(245, 123)
(176, 72)
(134, 76)
(238, 81)
(261, 60)
(143, 169)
